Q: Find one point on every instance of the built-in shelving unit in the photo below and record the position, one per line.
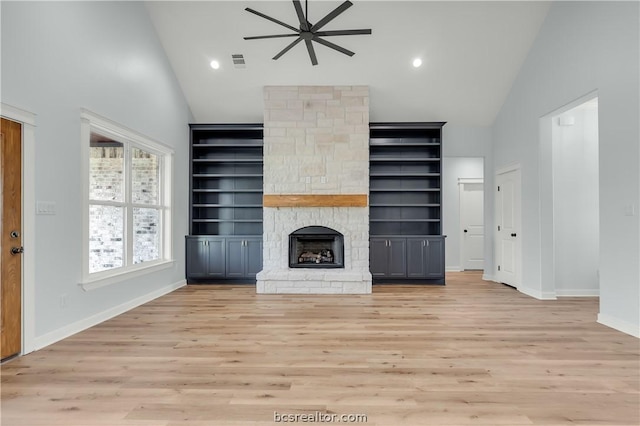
(226, 179)
(225, 218)
(405, 198)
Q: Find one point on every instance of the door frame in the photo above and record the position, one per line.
(516, 167)
(28, 122)
(461, 183)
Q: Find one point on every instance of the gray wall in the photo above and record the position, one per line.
(582, 47)
(458, 142)
(103, 56)
(576, 203)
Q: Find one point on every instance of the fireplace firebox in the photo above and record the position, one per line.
(316, 247)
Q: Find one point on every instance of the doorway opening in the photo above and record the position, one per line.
(575, 171)
(463, 209)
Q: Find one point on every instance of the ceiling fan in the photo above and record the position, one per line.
(310, 32)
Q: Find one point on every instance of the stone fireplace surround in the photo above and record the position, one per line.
(316, 143)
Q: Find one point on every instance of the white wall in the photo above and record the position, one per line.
(582, 47)
(454, 168)
(575, 202)
(475, 142)
(59, 57)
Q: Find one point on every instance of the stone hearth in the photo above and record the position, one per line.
(316, 142)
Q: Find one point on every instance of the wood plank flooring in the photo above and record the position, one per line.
(468, 353)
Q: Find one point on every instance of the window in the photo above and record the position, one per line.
(128, 202)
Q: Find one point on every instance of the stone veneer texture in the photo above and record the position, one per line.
(316, 141)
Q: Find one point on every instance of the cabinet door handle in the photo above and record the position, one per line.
(427, 243)
(424, 243)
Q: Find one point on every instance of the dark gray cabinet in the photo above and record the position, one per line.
(405, 202)
(243, 257)
(225, 199)
(220, 259)
(425, 257)
(205, 257)
(388, 257)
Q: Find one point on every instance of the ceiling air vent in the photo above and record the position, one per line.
(238, 61)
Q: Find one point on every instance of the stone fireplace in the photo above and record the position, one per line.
(316, 178)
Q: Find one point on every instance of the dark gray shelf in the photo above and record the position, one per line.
(228, 190)
(226, 180)
(405, 190)
(227, 145)
(222, 175)
(403, 159)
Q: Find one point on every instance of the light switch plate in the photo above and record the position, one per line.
(45, 207)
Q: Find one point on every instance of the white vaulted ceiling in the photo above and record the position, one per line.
(471, 53)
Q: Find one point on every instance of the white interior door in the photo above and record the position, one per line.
(508, 245)
(472, 224)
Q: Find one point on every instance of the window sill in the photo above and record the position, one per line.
(92, 283)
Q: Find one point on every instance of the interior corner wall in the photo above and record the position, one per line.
(583, 47)
(59, 57)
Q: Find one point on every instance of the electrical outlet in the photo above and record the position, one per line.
(323, 179)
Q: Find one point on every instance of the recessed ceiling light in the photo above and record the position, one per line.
(417, 62)
(215, 64)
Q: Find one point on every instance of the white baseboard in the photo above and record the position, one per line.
(620, 325)
(550, 295)
(487, 277)
(577, 292)
(78, 326)
(452, 269)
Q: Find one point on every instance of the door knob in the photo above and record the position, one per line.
(17, 250)
(513, 235)
(14, 234)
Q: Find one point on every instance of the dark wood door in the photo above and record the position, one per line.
(11, 237)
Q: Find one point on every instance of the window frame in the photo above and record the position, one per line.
(93, 123)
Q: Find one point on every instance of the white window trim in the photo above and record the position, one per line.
(91, 122)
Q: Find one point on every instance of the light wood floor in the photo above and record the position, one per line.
(469, 353)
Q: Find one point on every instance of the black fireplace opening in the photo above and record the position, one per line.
(316, 247)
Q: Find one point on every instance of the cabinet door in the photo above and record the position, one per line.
(378, 257)
(216, 257)
(416, 262)
(435, 257)
(197, 257)
(397, 253)
(253, 253)
(235, 258)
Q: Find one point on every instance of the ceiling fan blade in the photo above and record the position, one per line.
(304, 25)
(286, 49)
(262, 15)
(342, 32)
(337, 11)
(312, 52)
(333, 46)
(271, 36)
